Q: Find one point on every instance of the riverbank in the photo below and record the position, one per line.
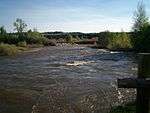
(12, 50)
(118, 49)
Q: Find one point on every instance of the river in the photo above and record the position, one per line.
(69, 79)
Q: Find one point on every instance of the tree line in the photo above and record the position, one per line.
(21, 36)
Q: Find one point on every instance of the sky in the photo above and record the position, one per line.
(71, 15)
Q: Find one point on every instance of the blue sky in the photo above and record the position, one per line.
(70, 15)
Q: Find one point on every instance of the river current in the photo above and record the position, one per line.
(70, 79)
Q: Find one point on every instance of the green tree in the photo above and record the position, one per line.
(140, 18)
(140, 28)
(3, 34)
(20, 25)
(2, 30)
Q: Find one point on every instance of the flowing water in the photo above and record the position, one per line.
(65, 80)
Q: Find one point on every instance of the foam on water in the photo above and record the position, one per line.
(113, 52)
(78, 63)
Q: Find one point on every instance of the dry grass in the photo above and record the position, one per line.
(8, 50)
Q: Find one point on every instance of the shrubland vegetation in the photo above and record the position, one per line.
(119, 41)
(114, 41)
(34, 37)
(12, 43)
(21, 37)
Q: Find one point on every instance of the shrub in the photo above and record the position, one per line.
(36, 38)
(103, 39)
(119, 41)
(9, 39)
(22, 44)
(6, 49)
(114, 40)
(69, 39)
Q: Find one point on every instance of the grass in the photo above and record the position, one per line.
(22, 44)
(10, 50)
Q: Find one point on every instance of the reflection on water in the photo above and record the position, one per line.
(65, 80)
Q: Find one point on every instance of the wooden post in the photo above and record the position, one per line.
(143, 94)
(142, 83)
